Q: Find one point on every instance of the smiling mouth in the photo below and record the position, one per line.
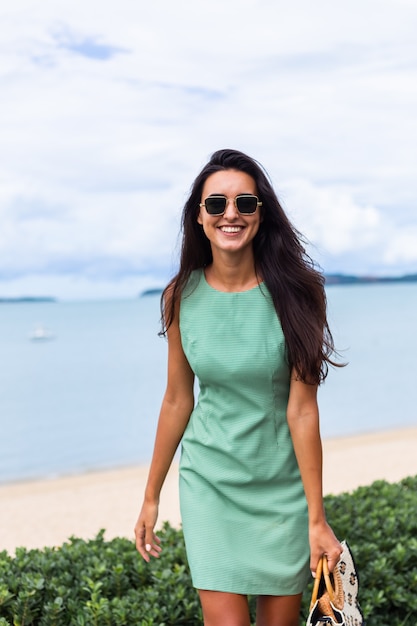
(231, 229)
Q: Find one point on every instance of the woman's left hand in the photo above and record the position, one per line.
(323, 542)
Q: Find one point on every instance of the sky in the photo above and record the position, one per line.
(109, 110)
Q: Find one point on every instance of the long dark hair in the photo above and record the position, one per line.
(295, 284)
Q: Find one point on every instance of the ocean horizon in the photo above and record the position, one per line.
(85, 394)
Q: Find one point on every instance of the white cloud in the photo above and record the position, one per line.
(331, 218)
(402, 248)
(108, 112)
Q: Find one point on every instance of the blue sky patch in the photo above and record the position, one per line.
(87, 46)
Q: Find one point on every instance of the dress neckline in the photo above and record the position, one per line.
(258, 286)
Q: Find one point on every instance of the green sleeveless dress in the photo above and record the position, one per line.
(243, 506)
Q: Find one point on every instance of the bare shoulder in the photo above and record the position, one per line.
(170, 293)
(170, 306)
(173, 295)
(172, 320)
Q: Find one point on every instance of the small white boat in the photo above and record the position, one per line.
(40, 333)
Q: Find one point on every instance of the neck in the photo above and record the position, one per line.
(232, 274)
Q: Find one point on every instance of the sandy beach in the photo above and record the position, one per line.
(42, 513)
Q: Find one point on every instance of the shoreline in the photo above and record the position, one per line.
(46, 512)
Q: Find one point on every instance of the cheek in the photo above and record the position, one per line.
(258, 227)
(199, 218)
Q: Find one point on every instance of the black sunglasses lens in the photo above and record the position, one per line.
(246, 204)
(215, 205)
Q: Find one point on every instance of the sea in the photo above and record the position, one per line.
(81, 382)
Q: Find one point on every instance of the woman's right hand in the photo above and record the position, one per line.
(147, 543)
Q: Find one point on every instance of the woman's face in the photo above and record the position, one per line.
(232, 231)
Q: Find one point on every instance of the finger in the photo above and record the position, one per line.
(333, 558)
(152, 542)
(140, 542)
(314, 562)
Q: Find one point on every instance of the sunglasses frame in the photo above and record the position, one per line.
(240, 195)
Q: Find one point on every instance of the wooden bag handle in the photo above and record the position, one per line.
(317, 579)
(322, 570)
(330, 589)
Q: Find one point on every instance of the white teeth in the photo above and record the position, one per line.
(231, 229)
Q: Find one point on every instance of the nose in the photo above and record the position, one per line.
(230, 211)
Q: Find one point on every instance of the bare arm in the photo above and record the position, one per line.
(303, 421)
(177, 405)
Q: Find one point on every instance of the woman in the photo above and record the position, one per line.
(246, 314)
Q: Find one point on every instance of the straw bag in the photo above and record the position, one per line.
(334, 600)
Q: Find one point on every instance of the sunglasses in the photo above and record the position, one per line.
(246, 204)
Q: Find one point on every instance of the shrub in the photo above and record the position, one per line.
(380, 524)
(100, 583)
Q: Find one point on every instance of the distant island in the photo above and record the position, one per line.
(333, 279)
(345, 279)
(156, 291)
(27, 299)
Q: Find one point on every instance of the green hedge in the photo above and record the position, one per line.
(100, 583)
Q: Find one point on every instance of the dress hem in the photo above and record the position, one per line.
(261, 591)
